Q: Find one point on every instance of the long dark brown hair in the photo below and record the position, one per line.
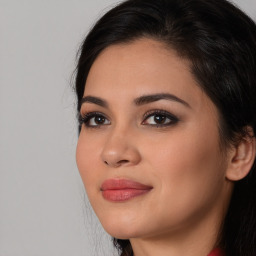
(220, 42)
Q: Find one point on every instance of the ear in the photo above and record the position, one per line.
(241, 158)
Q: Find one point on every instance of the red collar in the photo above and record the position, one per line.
(217, 252)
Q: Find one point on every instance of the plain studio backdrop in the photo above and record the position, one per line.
(43, 207)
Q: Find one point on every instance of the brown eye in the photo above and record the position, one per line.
(94, 119)
(157, 119)
(160, 118)
(97, 120)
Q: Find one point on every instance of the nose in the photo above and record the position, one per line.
(120, 151)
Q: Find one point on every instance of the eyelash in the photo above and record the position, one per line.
(86, 118)
(157, 112)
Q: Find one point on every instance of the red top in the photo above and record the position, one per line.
(217, 252)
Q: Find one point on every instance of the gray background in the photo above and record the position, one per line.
(43, 207)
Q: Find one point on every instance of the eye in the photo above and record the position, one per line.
(94, 120)
(159, 118)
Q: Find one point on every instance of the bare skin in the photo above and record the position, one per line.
(168, 143)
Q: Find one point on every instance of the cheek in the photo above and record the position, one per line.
(86, 158)
(183, 152)
(189, 170)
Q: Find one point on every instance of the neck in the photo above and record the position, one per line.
(198, 239)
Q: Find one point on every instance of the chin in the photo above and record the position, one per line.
(121, 228)
(120, 232)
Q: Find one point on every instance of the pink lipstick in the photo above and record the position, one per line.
(119, 190)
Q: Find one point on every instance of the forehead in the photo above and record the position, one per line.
(126, 71)
(135, 61)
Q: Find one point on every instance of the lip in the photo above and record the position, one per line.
(119, 190)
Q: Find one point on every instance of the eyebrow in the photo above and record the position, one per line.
(145, 99)
(94, 100)
(160, 96)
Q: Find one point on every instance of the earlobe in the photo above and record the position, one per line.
(241, 159)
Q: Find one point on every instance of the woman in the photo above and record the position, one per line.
(166, 101)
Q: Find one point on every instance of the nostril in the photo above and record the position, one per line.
(117, 163)
(122, 162)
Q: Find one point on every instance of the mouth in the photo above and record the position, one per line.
(120, 190)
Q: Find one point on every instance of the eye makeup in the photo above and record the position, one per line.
(157, 118)
(93, 119)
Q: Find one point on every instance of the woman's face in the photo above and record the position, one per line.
(149, 152)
